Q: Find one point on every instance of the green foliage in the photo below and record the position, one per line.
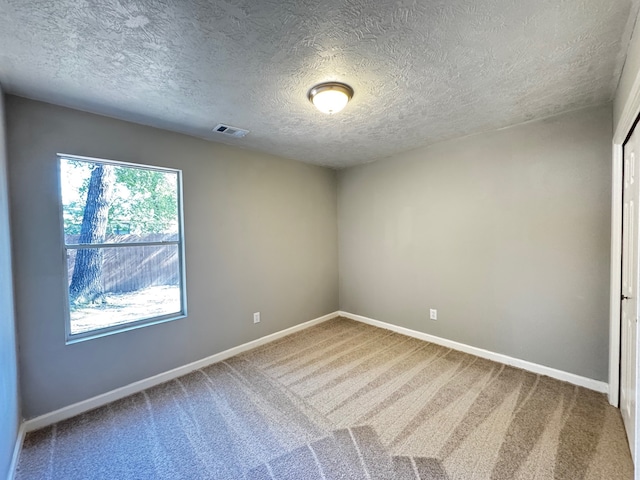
(72, 215)
(73, 207)
(145, 201)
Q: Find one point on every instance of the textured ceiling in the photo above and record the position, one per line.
(423, 71)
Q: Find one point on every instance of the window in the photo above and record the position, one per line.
(124, 245)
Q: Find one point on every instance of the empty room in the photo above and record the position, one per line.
(319, 240)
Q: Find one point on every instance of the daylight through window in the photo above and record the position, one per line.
(123, 242)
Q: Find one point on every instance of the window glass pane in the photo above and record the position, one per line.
(132, 208)
(112, 203)
(111, 286)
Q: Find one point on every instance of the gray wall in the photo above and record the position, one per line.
(629, 74)
(9, 400)
(505, 233)
(260, 236)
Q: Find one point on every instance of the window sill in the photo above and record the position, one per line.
(104, 332)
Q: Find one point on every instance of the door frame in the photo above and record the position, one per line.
(630, 114)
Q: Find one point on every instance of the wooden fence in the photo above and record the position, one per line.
(127, 269)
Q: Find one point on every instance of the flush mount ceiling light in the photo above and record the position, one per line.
(330, 97)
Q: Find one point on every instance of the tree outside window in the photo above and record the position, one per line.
(123, 238)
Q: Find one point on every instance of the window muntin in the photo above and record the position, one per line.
(124, 247)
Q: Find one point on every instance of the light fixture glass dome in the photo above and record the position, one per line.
(330, 97)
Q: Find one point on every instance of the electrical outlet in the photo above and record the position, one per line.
(433, 314)
(256, 317)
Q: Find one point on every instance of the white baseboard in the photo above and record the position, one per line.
(108, 397)
(585, 382)
(16, 452)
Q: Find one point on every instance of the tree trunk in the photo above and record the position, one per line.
(86, 283)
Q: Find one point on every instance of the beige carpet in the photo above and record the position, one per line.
(342, 400)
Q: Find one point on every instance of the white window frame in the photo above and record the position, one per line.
(71, 338)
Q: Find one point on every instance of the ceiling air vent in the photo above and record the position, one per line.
(231, 131)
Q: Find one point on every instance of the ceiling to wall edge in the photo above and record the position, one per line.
(627, 35)
(242, 147)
